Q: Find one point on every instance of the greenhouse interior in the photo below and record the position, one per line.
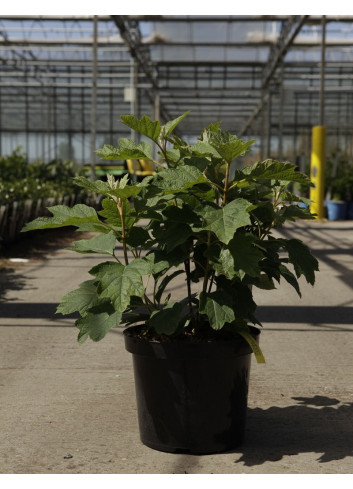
(223, 239)
(260, 75)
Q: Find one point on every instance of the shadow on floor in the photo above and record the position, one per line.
(320, 424)
(32, 310)
(10, 279)
(310, 315)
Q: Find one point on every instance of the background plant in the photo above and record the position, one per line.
(338, 176)
(20, 180)
(191, 218)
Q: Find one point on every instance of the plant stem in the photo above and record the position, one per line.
(204, 288)
(211, 282)
(123, 234)
(188, 282)
(226, 184)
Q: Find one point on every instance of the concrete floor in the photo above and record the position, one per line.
(69, 409)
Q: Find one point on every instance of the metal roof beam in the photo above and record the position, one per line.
(55, 18)
(314, 19)
(131, 34)
(290, 29)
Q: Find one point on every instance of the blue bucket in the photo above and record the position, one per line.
(336, 210)
(350, 210)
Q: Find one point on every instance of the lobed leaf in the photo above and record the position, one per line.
(303, 261)
(97, 322)
(119, 283)
(144, 126)
(218, 307)
(101, 243)
(272, 170)
(171, 125)
(166, 320)
(64, 216)
(180, 179)
(226, 220)
(127, 149)
(80, 299)
(104, 188)
(232, 149)
(240, 257)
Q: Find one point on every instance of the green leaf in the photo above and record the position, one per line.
(102, 243)
(138, 236)
(171, 125)
(64, 216)
(127, 149)
(167, 320)
(198, 162)
(97, 322)
(172, 156)
(241, 257)
(302, 259)
(118, 282)
(264, 282)
(180, 179)
(293, 212)
(144, 126)
(103, 188)
(111, 214)
(184, 214)
(218, 308)
(126, 192)
(242, 300)
(232, 149)
(93, 227)
(141, 265)
(225, 221)
(290, 277)
(80, 299)
(164, 284)
(206, 149)
(272, 170)
(245, 333)
(97, 186)
(173, 234)
(162, 261)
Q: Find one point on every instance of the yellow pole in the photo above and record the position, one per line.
(317, 172)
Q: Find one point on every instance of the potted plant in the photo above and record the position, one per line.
(339, 182)
(192, 220)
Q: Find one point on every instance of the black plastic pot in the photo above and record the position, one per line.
(191, 396)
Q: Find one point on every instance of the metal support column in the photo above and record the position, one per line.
(27, 116)
(83, 119)
(49, 123)
(0, 123)
(69, 125)
(111, 109)
(262, 139)
(280, 122)
(269, 114)
(322, 72)
(134, 106)
(156, 116)
(55, 123)
(94, 98)
(318, 152)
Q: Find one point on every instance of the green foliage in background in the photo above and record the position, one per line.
(20, 180)
(338, 176)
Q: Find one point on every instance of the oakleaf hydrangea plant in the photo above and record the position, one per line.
(191, 218)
